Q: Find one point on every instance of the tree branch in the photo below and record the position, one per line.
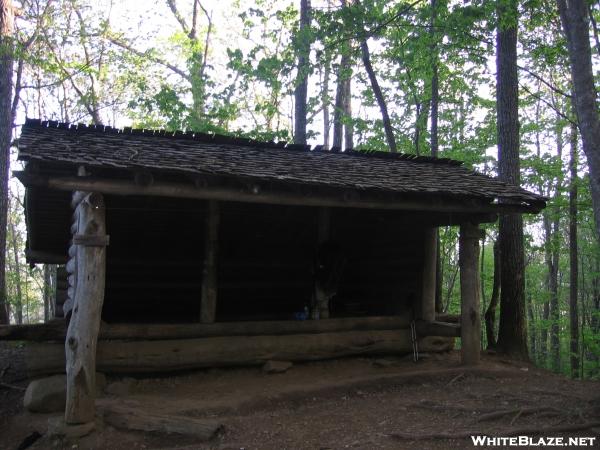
(178, 16)
(554, 108)
(544, 82)
(146, 54)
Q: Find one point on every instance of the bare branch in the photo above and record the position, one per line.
(178, 16)
(544, 82)
(151, 57)
(554, 108)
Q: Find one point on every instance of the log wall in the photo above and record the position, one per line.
(182, 354)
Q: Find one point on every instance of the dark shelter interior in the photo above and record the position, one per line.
(268, 255)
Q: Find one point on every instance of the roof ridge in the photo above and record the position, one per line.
(215, 138)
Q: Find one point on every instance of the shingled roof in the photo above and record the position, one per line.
(198, 153)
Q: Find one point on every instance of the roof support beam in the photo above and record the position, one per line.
(259, 194)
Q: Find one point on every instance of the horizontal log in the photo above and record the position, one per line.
(56, 330)
(37, 257)
(357, 199)
(125, 418)
(436, 328)
(445, 317)
(174, 355)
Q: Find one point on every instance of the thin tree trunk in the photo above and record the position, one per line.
(422, 114)
(301, 91)
(15, 250)
(533, 349)
(573, 261)
(433, 136)
(575, 22)
(325, 103)
(490, 313)
(6, 124)
(338, 113)
(47, 292)
(512, 336)
(435, 94)
(553, 268)
(387, 124)
(348, 126)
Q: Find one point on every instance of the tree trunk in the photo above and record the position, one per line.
(575, 22)
(301, 91)
(15, 250)
(47, 292)
(387, 124)
(533, 347)
(553, 268)
(512, 336)
(325, 102)
(338, 112)
(6, 123)
(490, 313)
(348, 126)
(573, 262)
(421, 116)
(470, 316)
(435, 94)
(433, 136)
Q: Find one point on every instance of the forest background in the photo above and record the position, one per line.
(415, 76)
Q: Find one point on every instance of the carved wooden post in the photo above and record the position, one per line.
(208, 307)
(90, 243)
(427, 307)
(470, 315)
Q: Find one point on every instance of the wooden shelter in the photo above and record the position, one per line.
(219, 246)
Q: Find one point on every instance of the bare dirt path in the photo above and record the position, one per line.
(349, 403)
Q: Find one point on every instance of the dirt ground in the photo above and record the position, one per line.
(355, 403)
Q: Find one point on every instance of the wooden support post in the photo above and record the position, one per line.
(324, 225)
(426, 311)
(90, 241)
(320, 309)
(208, 308)
(469, 294)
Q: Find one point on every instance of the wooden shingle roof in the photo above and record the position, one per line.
(198, 153)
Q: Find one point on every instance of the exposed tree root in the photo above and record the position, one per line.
(455, 379)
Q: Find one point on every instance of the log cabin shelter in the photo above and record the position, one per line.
(203, 228)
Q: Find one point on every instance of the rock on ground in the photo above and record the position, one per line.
(49, 394)
(276, 366)
(46, 394)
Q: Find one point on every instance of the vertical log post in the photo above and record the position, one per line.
(89, 243)
(208, 307)
(320, 309)
(426, 311)
(470, 314)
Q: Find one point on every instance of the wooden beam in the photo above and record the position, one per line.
(437, 328)
(469, 294)
(428, 281)
(184, 354)
(208, 308)
(82, 334)
(56, 330)
(40, 257)
(344, 198)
